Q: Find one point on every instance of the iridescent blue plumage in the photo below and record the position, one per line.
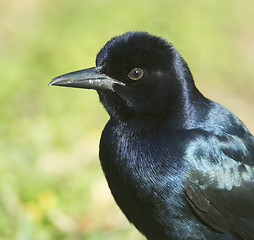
(179, 165)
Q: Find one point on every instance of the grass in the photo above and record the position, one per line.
(51, 184)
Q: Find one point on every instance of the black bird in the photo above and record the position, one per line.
(179, 165)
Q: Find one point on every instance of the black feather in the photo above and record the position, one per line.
(179, 165)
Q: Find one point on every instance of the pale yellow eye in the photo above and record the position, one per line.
(136, 74)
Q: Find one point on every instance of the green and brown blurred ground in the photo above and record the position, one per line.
(51, 184)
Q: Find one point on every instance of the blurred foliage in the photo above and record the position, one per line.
(51, 185)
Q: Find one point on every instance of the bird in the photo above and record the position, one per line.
(179, 165)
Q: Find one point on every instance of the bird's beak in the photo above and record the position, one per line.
(90, 78)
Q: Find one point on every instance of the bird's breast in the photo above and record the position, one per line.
(142, 176)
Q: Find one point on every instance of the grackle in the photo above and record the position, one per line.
(179, 165)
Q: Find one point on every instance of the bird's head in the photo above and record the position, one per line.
(136, 74)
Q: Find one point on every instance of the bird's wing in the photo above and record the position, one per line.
(224, 197)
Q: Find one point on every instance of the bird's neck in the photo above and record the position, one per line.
(189, 110)
(179, 115)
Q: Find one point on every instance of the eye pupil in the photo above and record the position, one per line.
(136, 74)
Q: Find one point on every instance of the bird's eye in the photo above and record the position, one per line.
(136, 74)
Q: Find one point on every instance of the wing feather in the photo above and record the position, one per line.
(225, 209)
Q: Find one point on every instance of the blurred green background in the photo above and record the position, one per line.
(51, 184)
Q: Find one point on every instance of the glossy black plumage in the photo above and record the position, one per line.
(179, 165)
